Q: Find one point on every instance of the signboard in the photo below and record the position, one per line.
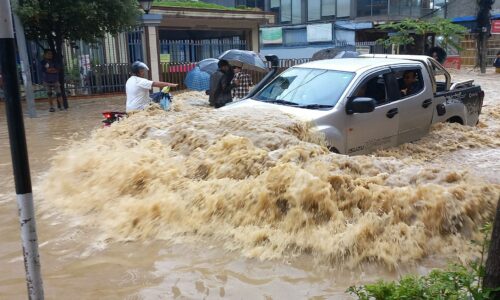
(319, 33)
(272, 35)
(165, 57)
(495, 26)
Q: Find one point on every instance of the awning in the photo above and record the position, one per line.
(472, 18)
(345, 25)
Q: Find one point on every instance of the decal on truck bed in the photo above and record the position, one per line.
(469, 97)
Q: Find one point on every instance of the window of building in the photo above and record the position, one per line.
(296, 11)
(299, 11)
(343, 8)
(327, 8)
(371, 8)
(295, 36)
(409, 7)
(313, 10)
(286, 11)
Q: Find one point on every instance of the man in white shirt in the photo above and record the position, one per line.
(138, 87)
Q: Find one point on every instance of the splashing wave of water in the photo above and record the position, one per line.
(261, 183)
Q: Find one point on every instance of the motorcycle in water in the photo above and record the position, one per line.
(164, 98)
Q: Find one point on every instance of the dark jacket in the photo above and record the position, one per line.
(220, 89)
(496, 63)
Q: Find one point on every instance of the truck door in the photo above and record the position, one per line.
(378, 129)
(415, 102)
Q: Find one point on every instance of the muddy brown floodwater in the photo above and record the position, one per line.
(197, 203)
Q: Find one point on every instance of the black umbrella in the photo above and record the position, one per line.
(438, 53)
(244, 58)
(330, 53)
(347, 54)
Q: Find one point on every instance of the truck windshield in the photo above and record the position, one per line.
(307, 88)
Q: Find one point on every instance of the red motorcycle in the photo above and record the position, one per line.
(164, 98)
(112, 116)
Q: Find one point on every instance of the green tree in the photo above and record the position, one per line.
(56, 21)
(450, 32)
(405, 30)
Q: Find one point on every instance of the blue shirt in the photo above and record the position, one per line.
(49, 77)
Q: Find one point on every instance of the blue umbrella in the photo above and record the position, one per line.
(197, 80)
(208, 65)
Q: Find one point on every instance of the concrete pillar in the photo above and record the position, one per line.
(154, 56)
(151, 23)
(255, 39)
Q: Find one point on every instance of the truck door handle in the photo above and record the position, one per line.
(391, 113)
(426, 103)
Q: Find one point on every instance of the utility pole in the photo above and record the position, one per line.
(25, 64)
(19, 153)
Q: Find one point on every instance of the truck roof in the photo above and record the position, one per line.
(353, 64)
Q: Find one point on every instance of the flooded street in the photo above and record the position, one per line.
(194, 204)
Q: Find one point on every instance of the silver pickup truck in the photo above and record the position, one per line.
(371, 102)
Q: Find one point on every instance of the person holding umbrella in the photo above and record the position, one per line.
(438, 54)
(220, 85)
(241, 83)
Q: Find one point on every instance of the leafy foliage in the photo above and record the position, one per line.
(86, 20)
(455, 282)
(198, 4)
(451, 33)
(56, 21)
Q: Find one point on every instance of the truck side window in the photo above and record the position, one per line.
(375, 88)
(410, 82)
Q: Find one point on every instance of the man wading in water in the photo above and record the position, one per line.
(220, 85)
(138, 87)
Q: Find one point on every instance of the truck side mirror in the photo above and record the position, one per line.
(361, 105)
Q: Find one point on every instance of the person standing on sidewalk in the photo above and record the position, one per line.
(50, 78)
(496, 63)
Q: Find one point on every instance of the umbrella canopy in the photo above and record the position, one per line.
(330, 53)
(347, 54)
(441, 53)
(244, 58)
(197, 80)
(208, 65)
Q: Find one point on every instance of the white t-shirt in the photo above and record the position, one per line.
(137, 89)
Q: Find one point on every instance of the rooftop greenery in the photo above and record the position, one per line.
(196, 4)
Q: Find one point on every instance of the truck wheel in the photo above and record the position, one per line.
(455, 119)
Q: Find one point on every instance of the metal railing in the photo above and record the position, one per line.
(193, 51)
(176, 72)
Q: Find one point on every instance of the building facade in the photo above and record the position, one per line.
(304, 27)
(168, 39)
